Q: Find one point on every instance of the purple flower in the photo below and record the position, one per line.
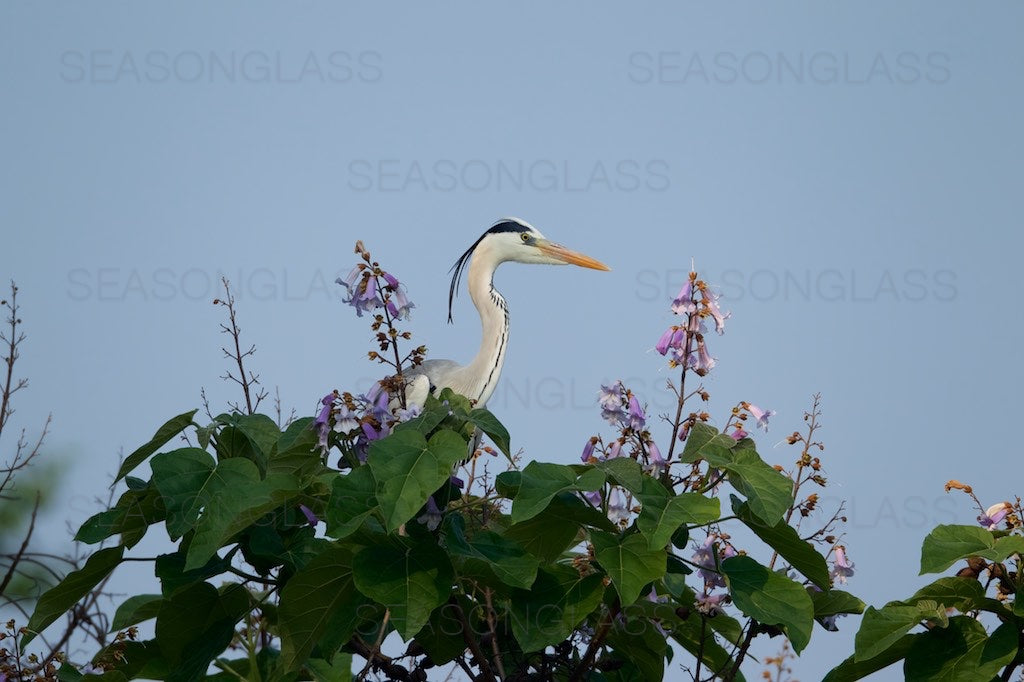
(321, 422)
(761, 416)
(363, 297)
(377, 399)
(711, 604)
(594, 498)
(588, 450)
(345, 420)
(350, 281)
(404, 414)
(842, 568)
(371, 433)
(310, 516)
(994, 515)
(614, 449)
(457, 482)
(702, 362)
(711, 300)
(705, 557)
(637, 418)
(431, 516)
(401, 310)
(665, 340)
(617, 511)
(739, 434)
(610, 399)
(656, 462)
(683, 303)
(391, 280)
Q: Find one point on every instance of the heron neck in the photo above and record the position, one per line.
(486, 366)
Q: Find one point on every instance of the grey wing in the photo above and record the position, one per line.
(437, 372)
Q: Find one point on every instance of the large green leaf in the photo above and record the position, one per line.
(852, 669)
(961, 651)
(409, 470)
(495, 430)
(946, 545)
(769, 493)
(319, 601)
(770, 598)
(629, 562)
(551, 532)
(501, 556)
(136, 609)
(187, 480)
(963, 594)
(834, 602)
(538, 483)
(642, 644)
(196, 624)
(705, 442)
(242, 501)
(75, 585)
(296, 451)
(559, 601)
(165, 433)
(784, 539)
(408, 577)
(700, 641)
(624, 471)
(353, 498)
(884, 627)
(131, 517)
(662, 514)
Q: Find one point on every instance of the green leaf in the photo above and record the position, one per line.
(169, 569)
(624, 471)
(338, 670)
(834, 602)
(501, 556)
(353, 498)
(296, 451)
(629, 562)
(196, 624)
(771, 598)
(538, 483)
(705, 442)
(964, 594)
(551, 532)
(242, 501)
(946, 545)
(961, 651)
(440, 636)
(507, 483)
(643, 646)
(186, 481)
(784, 539)
(75, 585)
(769, 493)
(136, 609)
(883, 628)
(495, 430)
(852, 669)
(410, 578)
(662, 514)
(165, 433)
(319, 601)
(558, 601)
(410, 469)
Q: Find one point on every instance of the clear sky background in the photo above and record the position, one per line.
(849, 174)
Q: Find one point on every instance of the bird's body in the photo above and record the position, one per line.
(509, 239)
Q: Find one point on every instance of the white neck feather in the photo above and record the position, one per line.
(485, 369)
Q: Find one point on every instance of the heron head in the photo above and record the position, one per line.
(512, 239)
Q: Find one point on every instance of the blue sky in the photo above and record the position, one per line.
(848, 174)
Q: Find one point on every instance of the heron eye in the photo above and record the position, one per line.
(525, 236)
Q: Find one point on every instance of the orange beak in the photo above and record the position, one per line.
(572, 257)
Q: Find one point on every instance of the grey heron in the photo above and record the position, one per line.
(509, 239)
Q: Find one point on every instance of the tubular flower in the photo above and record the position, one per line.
(711, 301)
(994, 515)
(391, 280)
(614, 449)
(610, 399)
(711, 604)
(656, 463)
(350, 281)
(363, 296)
(431, 516)
(617, 511)
(683, 303)
(321, 421)
(739, 434)
(705, 558)
(345, 420)
(666, 339)
(842, 568)
(702, 362)
(310, 516)
(400, 306)
(588, 451)
(594, 498)
(760, 416)
(637, 418)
